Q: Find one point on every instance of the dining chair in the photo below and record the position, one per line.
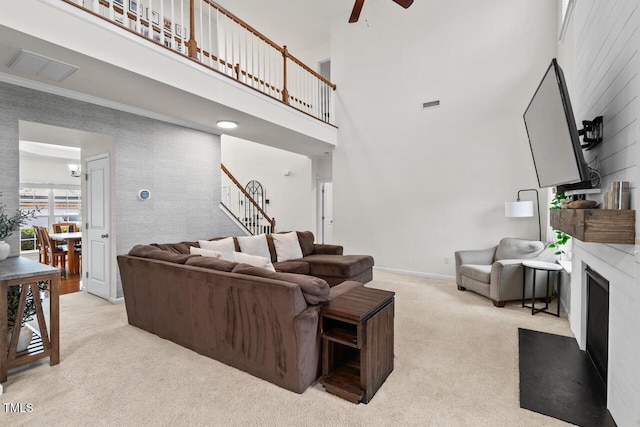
(65, 227)
(57, 254)
(42, 248)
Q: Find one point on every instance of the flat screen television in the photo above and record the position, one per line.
(553, 135)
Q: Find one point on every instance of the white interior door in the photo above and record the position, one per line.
(97, 248)
(327, 212)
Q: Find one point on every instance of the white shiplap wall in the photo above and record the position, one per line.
(606, 66)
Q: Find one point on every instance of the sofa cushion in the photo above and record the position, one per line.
(314, 289)
(225, 246)
(481, 273)
(205, 252)
(306, 239)
(297, 267)
(178, 248)
(287, 246)
(212, 263)
(254, 260)
(513, 248)
(338, 265)
(254, 245)
(153, 252)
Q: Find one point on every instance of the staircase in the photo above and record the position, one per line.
(247, 212)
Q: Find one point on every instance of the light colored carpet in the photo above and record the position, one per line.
(456, 364)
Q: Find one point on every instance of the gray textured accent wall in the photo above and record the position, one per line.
(180, 166)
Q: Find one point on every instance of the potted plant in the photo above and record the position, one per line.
(561, 237)
(8, 225)
(11, 223)
(13, 300)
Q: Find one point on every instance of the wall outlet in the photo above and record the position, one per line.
(446, 260)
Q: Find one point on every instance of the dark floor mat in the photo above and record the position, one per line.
(558, 379)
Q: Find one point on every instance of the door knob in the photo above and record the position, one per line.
(104, 236)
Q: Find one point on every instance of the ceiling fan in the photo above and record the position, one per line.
(357, 8)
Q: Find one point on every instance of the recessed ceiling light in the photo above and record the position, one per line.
(227, 124)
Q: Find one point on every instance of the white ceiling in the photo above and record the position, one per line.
(50, 150)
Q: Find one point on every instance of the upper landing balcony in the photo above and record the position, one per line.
(190, 62)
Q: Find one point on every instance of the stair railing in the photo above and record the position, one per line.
(212, 36)
(239, 203)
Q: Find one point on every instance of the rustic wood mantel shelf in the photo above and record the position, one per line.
(597, 225)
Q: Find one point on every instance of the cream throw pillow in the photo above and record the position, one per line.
(254, 245)
(254, 260)
(287, 246)
(205, 252)
(224, 246)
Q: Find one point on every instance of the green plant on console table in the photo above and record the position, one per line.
(12, 222)
(561, 237)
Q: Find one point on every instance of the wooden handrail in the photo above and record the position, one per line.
(310, 71)
(248, 196)
(283, 50)
(243, 24)
(192, 50)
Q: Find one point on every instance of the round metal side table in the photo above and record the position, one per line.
(549, 267)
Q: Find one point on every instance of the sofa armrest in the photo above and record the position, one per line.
(327, 249)
(343, 288)
(479, 257)
(506, 279)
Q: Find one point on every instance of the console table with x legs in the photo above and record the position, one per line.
(19, 271)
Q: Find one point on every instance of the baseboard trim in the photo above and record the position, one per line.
(116, 300)
(416, 273)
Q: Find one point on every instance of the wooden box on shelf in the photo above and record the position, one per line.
(597, 225)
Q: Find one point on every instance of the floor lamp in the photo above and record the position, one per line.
(520, 209)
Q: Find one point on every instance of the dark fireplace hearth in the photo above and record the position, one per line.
(598, 321)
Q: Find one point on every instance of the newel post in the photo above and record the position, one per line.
(192, 46)
(285, 92)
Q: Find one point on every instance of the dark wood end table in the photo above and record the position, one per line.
(357, 347)
(16, 271)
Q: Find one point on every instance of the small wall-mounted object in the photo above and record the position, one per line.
(430, 104)
(591, 132)
(287, 173)
(75, 169)
(144, 194)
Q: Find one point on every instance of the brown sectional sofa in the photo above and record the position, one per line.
(261, 322)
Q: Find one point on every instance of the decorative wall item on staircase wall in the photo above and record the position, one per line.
(247, 206)
(255, 190)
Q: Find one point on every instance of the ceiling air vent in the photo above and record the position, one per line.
(41, 66)
(430, 104)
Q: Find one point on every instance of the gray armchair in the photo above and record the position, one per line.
(497, 272)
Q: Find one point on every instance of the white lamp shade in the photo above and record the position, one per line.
(518, 209)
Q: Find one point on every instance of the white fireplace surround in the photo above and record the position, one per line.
(620, 269)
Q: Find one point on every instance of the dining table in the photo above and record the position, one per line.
(73, 257)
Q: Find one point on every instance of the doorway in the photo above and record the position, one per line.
(48, 187)
(326, 210)
(88, 146)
